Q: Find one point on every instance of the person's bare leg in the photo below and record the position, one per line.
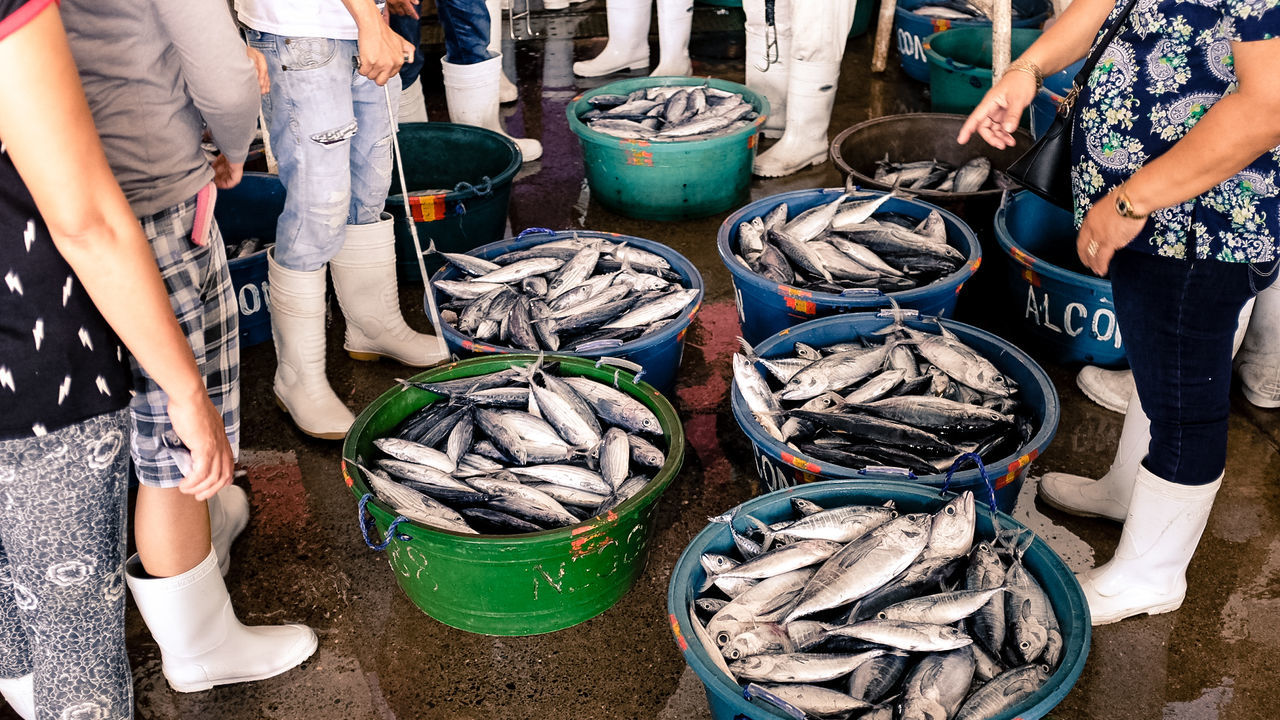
(171, 530)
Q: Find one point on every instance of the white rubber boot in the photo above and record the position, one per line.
(413, 107)
(297, 326)
(202, 644)
(228, 517)
(675, 25)
(1109, 388)
(364, 277)
(811, 94)
(20, 693)
(1108, 496)
(507, 90)
(1258, 361)
(472, 94)
(766, 74)
(1148, 574)
(628, 46)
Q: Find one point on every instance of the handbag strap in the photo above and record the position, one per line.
(1082, 77)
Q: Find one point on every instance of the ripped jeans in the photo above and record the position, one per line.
(331, 133)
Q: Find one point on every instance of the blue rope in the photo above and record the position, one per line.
(365, 520)
(532, 230)
(484, 190)
(982, 470)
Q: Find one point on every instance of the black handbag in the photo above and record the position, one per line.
(1045, 169)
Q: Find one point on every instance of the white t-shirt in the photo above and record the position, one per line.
(298, 18)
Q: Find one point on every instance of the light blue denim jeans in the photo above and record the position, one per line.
(331, 134)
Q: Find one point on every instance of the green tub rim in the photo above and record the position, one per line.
(505, 177)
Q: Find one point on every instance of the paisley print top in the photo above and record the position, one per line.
(1157, 78)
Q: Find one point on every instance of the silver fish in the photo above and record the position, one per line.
(798, 667)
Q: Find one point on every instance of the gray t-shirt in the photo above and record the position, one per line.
(155, 74)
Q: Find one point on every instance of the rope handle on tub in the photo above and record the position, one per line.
(986, 478)
(616, 363)
(365, 520)
(533, 230)
(484, 189)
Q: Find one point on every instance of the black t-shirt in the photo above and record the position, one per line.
(60, 363)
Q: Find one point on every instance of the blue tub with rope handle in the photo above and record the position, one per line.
(459, 180)
(729, 701)
(783, 466)
(655, 355)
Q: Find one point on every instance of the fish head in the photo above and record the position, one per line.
(715, 563)
(803, 386)
(1029, 635)
(951, 531)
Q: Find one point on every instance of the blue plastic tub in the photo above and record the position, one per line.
(1045, 104)
(250, 210)
(766, 307)
(781, 466)
(725, 696)
(658, 353)
(912, 29)
(1067, 313)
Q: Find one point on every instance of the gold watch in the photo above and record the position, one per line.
(1125, 207)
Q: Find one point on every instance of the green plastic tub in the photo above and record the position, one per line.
(725, 696)
(668, 180)
(960, 65)
(459, 180)
(511, 584)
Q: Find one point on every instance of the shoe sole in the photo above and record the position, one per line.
(374, 357)
(1098, 400)
(1074, 511)
(624, 68)
(304, 431)
(297, 659)
(1157, 610)
(817, 160)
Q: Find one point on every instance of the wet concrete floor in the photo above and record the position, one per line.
(302, 558)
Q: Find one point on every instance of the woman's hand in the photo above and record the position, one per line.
(997, 116)
(1103, 233)
(199, 426)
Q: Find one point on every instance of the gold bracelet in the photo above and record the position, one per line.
(1026, 66)
(1124, 207)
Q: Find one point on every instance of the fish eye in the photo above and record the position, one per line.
(881, 616)
(1024, 645)
(733, 654)
(722, 638)
(950, 510)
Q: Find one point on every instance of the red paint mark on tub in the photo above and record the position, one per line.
(1031, 277)
(346, 475)
(675, 630)
(276, 492)
(751, 140)
(592, 538)
(802, 306)
(427, 208)
(801, 463)
(1022, 257)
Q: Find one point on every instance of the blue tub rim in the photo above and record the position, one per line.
(970, 476)
(531, 239)
(1031, 261)
(690, 648)
(586, 134)
(952, 281)
(909, 7)
(505, 177)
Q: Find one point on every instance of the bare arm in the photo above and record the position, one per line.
(382, 51)
(1237, 130)
(49, 135)
(997, 116)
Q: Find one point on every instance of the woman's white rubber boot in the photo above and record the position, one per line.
(1108, 496)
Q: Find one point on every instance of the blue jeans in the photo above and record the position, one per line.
(410, 29)
(466, 30)
(1179, 318)
(331, 133)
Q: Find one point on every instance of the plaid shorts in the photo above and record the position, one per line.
(204, 302)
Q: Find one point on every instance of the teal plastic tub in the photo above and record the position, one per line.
(459, 180)
(766, 307)
(960, 65)
(250, 210)
(667, 180)
(782, 466)
(725, 696)
(912, 29)
(1054, 302)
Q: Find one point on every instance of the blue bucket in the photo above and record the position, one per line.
(725, 696)
(781, 466)
(1045, 105)
(912, 29)
(1067, 313)
(250, 210)
(658, 354)
(766, 307)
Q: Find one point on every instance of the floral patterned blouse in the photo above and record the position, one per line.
(1155, 80)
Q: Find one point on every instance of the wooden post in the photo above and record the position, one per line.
(1001, 38)
(884, 33)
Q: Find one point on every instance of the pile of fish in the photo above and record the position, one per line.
(844, 245)
(669, 113)
(573, 294)
(960, 9)
(519, 450)
(245, 248)
(936, 175)
(910, 399)
(859, 611)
